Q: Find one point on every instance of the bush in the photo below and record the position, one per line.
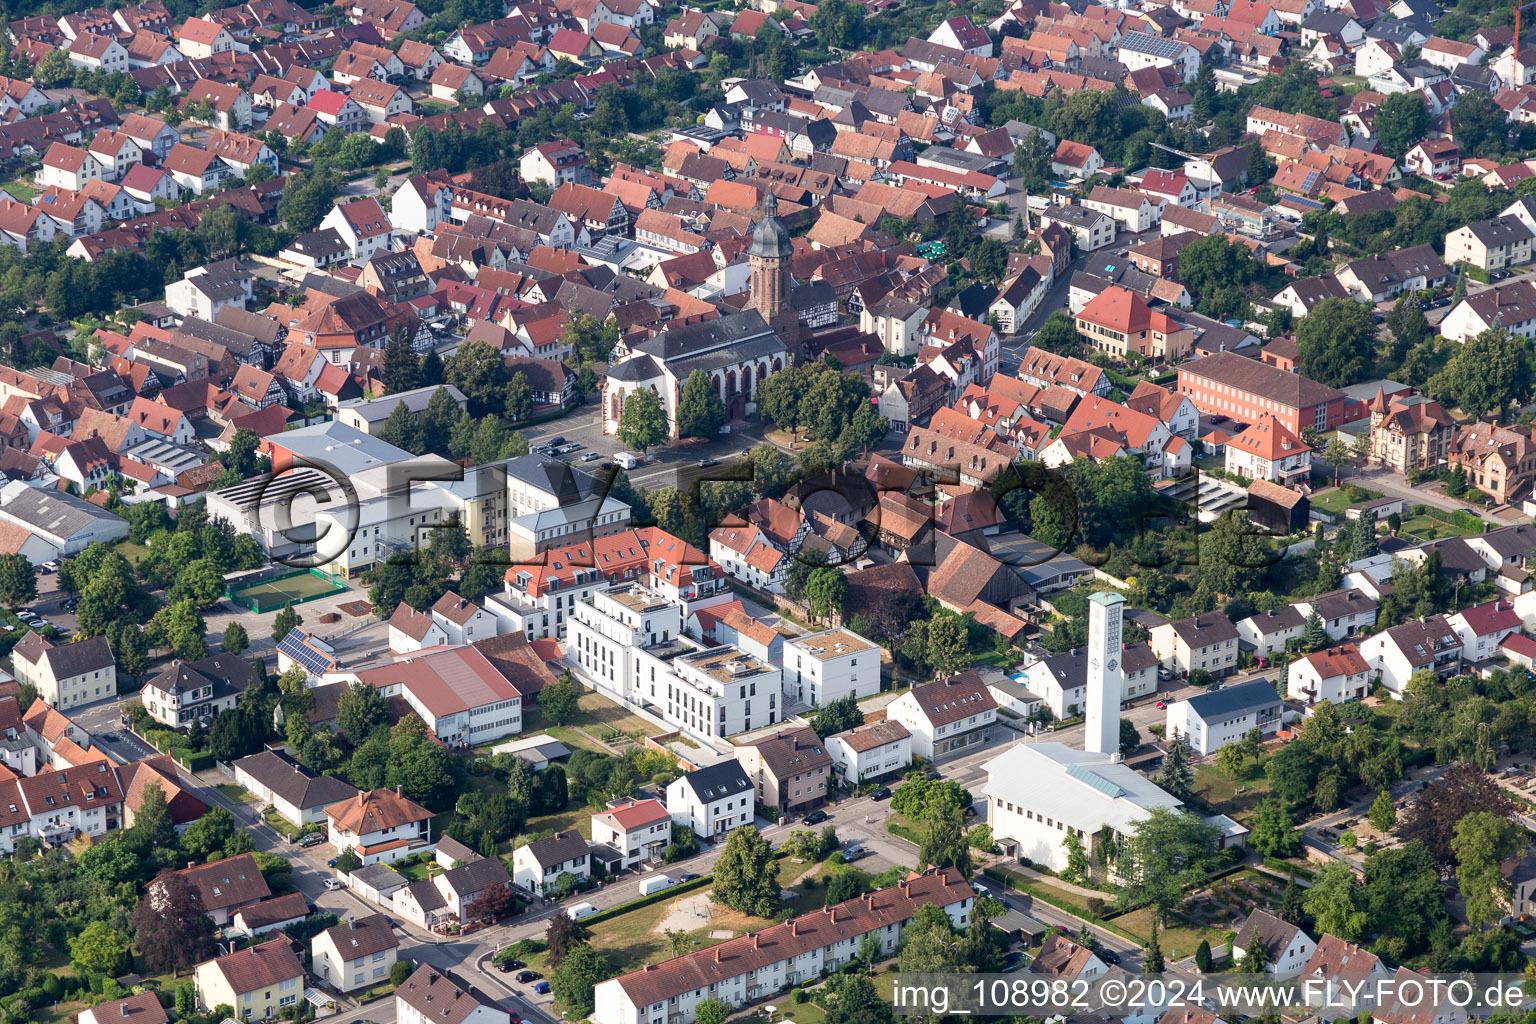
(800, 996)
(400, 970)
(53, 988)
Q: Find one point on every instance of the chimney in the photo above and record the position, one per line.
(717, 954)
(757, 940)
(794, 927)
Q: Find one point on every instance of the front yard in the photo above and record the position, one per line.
(1235, 798)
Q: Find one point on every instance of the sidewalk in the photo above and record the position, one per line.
(1061, 883)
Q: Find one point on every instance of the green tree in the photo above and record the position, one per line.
(1177, 774)
(946, 643)
(402, 367)
(1130, 736)
(826, 590)
(1058, 334)
(399, 428)
(285, 622)
(700, 411)
(1152, 960)
(1402, 119)
(560, 700)
(837, 716)
(1382, 815)
(1167, 853)
(359, 710)
(643, 423)
(348, 862)
(1486, 373)
(1336, 342)
(1336, 902)
(1478, 124)
(747, 874)
(1203, 957)
(944, 842)
(572, 982)
(1233, 553)
(711, 1011)
(519, 397)
(99, 949)
(1273, 830)
(235, 639)
(1482, 842)
(478, 370)
(18, 580)
(1314, 635)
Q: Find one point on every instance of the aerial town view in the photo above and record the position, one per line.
(770, 511)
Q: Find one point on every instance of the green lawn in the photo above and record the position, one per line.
(1232, 797)
(1419, 526)
(281, 825)
(234, 792)
(419, 871)
(20, 190)
(135, 553)
(1333, 501)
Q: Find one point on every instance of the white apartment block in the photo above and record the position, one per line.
(712, 800)
(628, 643)
(823, 667)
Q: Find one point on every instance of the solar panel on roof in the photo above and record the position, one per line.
(1098, 782)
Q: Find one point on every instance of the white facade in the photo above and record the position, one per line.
(638, 829)
(712, 800)
(1209, 721)
(628, 644)
(870, 751)
(539, 874)
(823, 667)
(1105, 682)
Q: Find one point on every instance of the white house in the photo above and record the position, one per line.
(1207, 642)
(748, 967)
(1062, 680)
(946, 717)
(1395, 654)
(711, 800)
(1270, 631)
(638, 829)
(432, 996)
(820, 668)
(380, 826)
(871, 751)
(295, 792)
(537, 866)
(1483, 628)
(355, 954)
(66, 675)
(1286, 947)
(1209, 721)
(1344, 612)
(461, 695)
(1336, 674)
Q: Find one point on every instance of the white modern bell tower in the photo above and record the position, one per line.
(1106, 678)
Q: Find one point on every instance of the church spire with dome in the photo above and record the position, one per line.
(770, 254)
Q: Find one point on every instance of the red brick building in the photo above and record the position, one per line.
(1227, 384)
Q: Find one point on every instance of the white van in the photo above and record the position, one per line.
(580, 910)
(656, 883)
(626, 460)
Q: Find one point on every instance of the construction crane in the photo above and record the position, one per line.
(1202, 156)
(1515, 59)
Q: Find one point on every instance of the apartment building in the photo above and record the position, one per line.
(66, 675)
(259, 982)
(355, 954)
(820, 668)
(752, 967)
(628, 642)
(873, 751)
(1246, 390)
(947, 716)
(1490, 244)
(1200, 642)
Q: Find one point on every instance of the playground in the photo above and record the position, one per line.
(269, 595)
(688, 913)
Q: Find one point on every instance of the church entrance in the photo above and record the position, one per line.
(736, 408)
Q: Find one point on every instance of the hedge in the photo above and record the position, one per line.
(1081, 913)
(1285, 866)
(1460, 520)
(192, 761)
(661, 894)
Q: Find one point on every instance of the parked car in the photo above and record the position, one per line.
(313, 839)
(1162, 705)
(504, 966)
(524, 977)
(331, 884)
(556, 441)
(814, 818)
(574, 446)
(542, 988)
(689, 876)
(708, 462)
(590, 456)
(883, 793)
(853, 853)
